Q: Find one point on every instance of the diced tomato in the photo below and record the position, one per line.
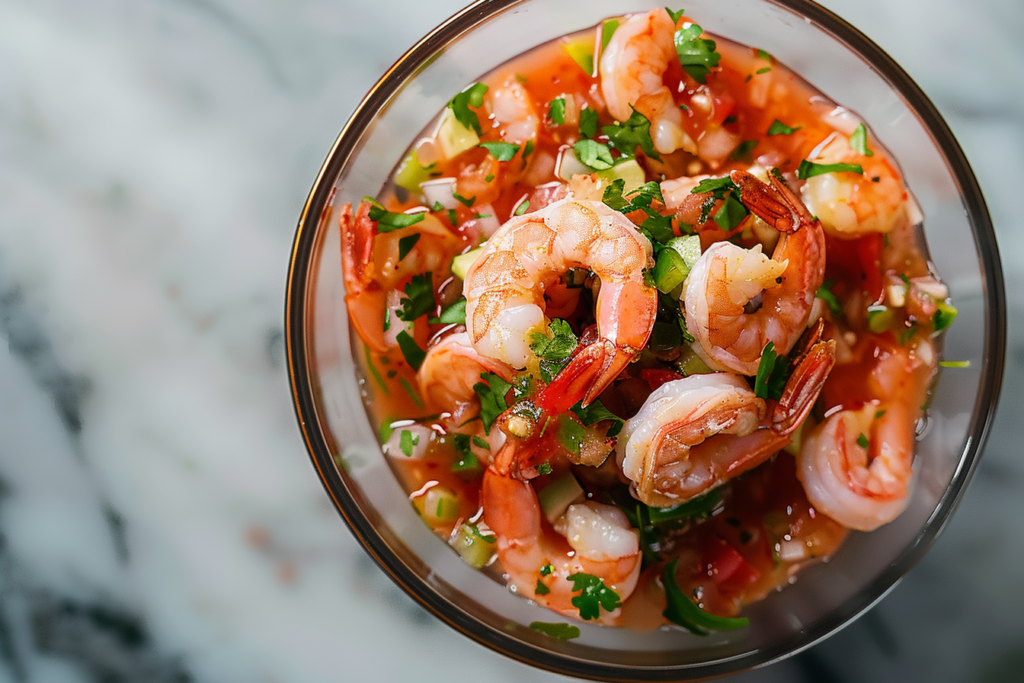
(869, 251)
(728, 569)
(858, 260)
(655, 378)
(725, 104)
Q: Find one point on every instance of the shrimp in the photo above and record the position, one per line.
(505, 287)
(596, 539)
(695, 433)
(727, 280)
(448, 372)
(372, 267)
(632, 68)
(857, 465)
(849, 204)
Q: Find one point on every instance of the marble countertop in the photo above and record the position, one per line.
(159, 520)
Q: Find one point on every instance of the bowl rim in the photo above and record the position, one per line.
(317, 206)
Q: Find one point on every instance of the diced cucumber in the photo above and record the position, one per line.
(462, 262)
(557, 496)
(669, 271)
(453, 137)
(438, 505)
(880, 318)
(691, 364)
(944, 316)
(475, 547)
(410, 173)
(629, 171)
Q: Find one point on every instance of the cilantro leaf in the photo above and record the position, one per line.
(682, 611)
(809, 169)
(862, 441)
(634, 132)
(772, 373)
(453, 315)
(544, 468)
(560, 631)
(588, 122)
(502, 151)
(461, 103)
(405, 244)
(465, 201)
(523, 207)
(467, 462)
(731, 213)
(825, 294)
(762, 54)
(596, 412)
(419, 297)
(613, 195)
(657, 227)
(541, 589)
(696, 55)
(859, 141)
(412, 352)
(674, 16)
(594, 155)
(492, 392)
(554, 348)
(388, 221)
(702, 506)
(556, 111)
(571, 434)
(595, 595)
(779, 128)
(743, 150)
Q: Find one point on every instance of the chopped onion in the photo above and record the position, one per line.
(791, 551)
(487, 222)
(440, 191)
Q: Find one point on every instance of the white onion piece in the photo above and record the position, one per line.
(393, 322)
(487, 221)
(440, 191)
(716, 145)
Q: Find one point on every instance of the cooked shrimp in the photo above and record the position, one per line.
(597, 539)
(695, 433)
(447, 375)
(505, 286)
(632, 66)
(856, 465)
(515, 113)
(727, 280)
(852, 204)
(371, 267)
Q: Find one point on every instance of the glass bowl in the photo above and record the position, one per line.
(836, 59)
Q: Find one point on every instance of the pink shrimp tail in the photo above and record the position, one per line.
(773, 202)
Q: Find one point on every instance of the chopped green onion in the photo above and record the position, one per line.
(522, 208)
(955, 363)
(374, 373)
(409, 390)
(809, 169)
(556, 111)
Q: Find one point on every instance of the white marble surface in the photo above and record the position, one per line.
(159, 519)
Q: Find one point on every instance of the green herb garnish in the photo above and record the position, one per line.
(772, 373)
(682, 611)
(809, 169)
(544, 468)
(465, 201)
(588, 122)
(859, 141)
(593, 154)
(743, 150)
(461, 103)
(419, 298)
(407, 441)
(596, 412)
(541, 589)
(696, 55)
(556, 111)
(554, 347)
(862, 441)
(560, 631)
(453, 315)
(405, 245)
(779, 128)
(944, 316)
(634, 132)
(414, 355)
(467, 461)
(502, 151)
(492, 392)
(674, 16)
(825, 294)
(388, 221)
(954, 363)
(523, 207)
(594, 596)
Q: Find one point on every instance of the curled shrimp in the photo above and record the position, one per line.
(695, 433)
(505, 287)
(596, 539)
(857, 465)
(727, 280)
(448, 373)
(632, 68)
(851, 204)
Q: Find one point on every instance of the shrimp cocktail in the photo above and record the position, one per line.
(647, 325)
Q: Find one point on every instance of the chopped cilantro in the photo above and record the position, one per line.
(696, 55)
(553, 348)
(547, 569)
(523, 207)
(502, 151)
(682, 611)
(697, 507)
(772, 373)
(763, 70)
(571, 435)
(731, 213)
(809, 169)
(527, 151)
(907, 334)
(779, 128)
(862, 441)
(729, 119)
(560, 631)
(634, 132)
(595, 595)
(541, 589)
(388, 221)
(407, 441)
(556, 111)
(453, 315)
(674, 16)
(419, 298)
(859, 141)
(954, 363)
(596, 412)
(762, 54)
(465, 201)
(825, 294)
(488, 178)
(588, 122)
(492, 392)
(593, 154)
(544, 468)
(405, 245)
(414, 355)
(657, 227)
(461, 103)
(879, 414)
(481, 443)
(743, 150)
(467, 462)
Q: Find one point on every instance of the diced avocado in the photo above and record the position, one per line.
(629, 171)
(462, 262)
(669, 271)
(475, 547)
(557, 496)
(410, 173)
(453, 137)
